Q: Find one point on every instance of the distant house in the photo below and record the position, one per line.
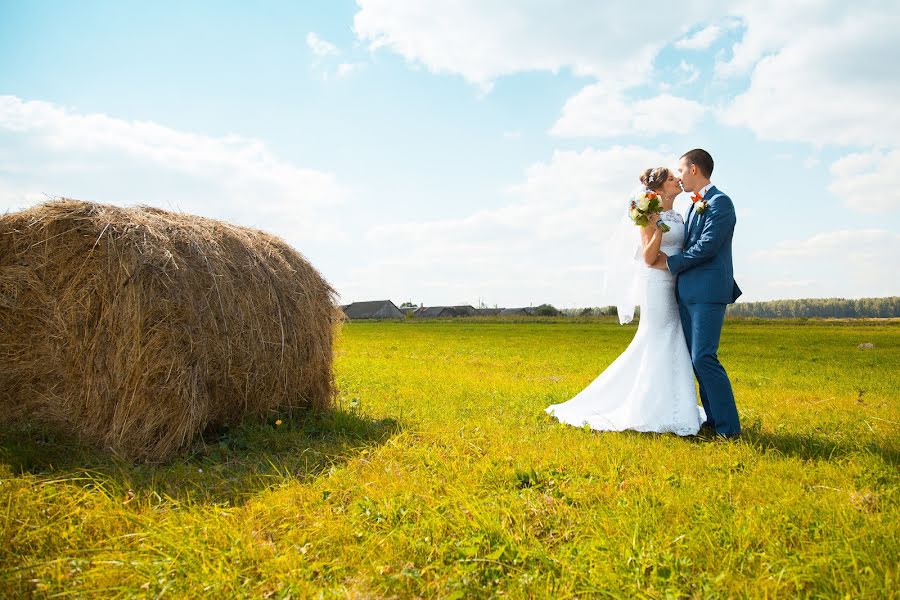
(517, 311)
(375, 309)
(434, 312)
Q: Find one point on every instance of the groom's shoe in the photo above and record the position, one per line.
(707, 430)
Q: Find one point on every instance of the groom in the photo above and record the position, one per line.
(705, 286)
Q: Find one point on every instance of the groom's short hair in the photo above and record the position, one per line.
(702, 159)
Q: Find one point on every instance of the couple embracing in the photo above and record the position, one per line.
(682, 277)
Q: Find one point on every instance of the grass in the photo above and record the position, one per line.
(440, 476)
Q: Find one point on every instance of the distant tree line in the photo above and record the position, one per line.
(596, 311)
(840, 308)
(547, 310)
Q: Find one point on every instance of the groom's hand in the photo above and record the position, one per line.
(660, 262)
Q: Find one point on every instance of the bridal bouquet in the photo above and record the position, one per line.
(642, 206)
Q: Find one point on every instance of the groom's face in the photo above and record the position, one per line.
(688, 175)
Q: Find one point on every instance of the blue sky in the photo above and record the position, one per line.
(450, 152)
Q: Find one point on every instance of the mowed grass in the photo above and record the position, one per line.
(441, 476)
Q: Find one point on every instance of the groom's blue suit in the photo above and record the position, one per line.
(705, 286)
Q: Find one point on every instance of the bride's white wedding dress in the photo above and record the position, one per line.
(650, 386)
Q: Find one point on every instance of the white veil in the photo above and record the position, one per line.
(623, 266)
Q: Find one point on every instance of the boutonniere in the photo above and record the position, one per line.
(699, 203)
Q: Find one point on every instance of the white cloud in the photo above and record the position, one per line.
(236, 160)
(572, 194)
(319, 46)
(13, 196)
(512, 135)
(833, 59)
(700, 40)
(595, 179)
(99, 157)
(846, 245)
(788, 284)
(769, 25)
(347, 69)
(832, 81)
(324, 49)
(846, 263)
(868, 181)
(598, 110)
(545, 244)
(482, 41)
(689, 73)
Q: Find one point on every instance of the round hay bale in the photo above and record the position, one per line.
(135, 328)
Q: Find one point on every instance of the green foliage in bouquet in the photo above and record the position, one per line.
(642, 206)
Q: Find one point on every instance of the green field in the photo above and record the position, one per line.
(441, 476)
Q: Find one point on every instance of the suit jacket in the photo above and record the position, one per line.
(704, 269)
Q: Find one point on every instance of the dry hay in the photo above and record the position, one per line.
(135, 328)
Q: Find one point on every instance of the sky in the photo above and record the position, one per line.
(470, 151)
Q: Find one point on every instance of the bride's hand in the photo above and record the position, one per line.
(661, 262)
(653, 219)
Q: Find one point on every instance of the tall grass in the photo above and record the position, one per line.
(440, 476)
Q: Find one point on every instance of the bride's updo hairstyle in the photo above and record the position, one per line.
(653, 179)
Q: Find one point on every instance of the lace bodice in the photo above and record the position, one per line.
(671, 216)
(673, 239)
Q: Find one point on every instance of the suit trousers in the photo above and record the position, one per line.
(702, 325)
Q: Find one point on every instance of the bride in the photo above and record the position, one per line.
(650, 386)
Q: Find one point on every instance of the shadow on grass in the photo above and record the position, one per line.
(807, 446)
(226, 466)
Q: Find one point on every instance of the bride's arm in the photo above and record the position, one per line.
(651, 238)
